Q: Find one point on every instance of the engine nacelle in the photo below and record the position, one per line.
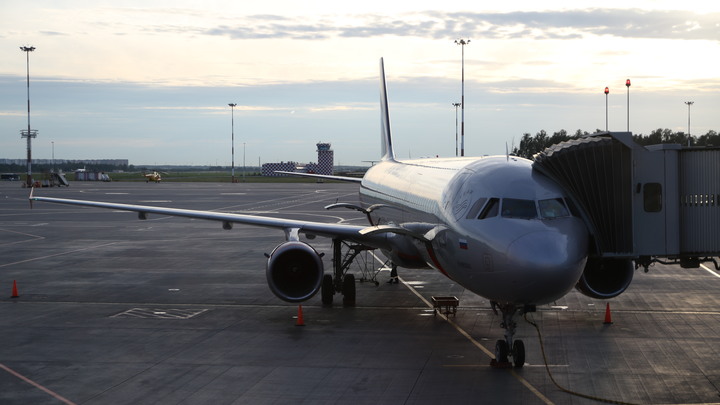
(605, 278)
(294, 271)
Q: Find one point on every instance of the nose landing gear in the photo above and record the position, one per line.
(506, 349)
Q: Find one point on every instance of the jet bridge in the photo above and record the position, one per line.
(641, 203)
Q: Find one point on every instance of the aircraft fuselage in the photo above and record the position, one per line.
(499, 228)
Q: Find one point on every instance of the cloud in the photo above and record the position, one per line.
(355, 107)
(52, 33)
(540, 25)
(632, 23)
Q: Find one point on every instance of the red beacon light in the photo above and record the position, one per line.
(607, 90)
(627, 82)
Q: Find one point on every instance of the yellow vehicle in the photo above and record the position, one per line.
(154, 176)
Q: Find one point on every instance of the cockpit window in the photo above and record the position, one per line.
(491, 209)
(553, 208)
(518, 208)
(473, 213)
(515, 208)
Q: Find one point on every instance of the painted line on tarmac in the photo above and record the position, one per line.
(56, 254)
(36, 385)
(713, 272)
(472, 340)
(487, 352)
(34, 237)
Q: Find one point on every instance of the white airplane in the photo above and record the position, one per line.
(492, 224)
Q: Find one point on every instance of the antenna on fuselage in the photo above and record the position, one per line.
(386, 141)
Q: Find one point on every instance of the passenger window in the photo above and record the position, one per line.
(515, 208)
(475, 208)
(491, 209)
(552, 208)
(652, 197)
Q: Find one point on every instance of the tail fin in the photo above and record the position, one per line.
(386, 146)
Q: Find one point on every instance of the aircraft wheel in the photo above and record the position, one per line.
(348, 290)
(518, 353)
(501, 351)
(327, 290)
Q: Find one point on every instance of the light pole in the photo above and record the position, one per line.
(29, 134)
(627, 84)
(462, 44)
(243, 162)
(689, 103)
(607, 91)
(456, 105)
(232, 134)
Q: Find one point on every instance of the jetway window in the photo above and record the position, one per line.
(652, 197)
(553, 208)
(491, 209)
(515, 208)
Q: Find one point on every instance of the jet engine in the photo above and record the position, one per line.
(294, 271)
(605, 278)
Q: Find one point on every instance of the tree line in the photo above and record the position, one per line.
(64, 166)
(531, 145)
(71, 166)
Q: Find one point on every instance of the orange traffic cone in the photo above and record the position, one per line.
(608, 316)
(300, 321)
(14, 291)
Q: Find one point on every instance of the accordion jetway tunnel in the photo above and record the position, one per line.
(641, 203)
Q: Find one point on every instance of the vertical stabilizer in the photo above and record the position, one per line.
(387, 148)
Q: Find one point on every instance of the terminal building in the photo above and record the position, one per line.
(325, 164)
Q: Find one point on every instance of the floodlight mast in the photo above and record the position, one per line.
(627, 84)
(456, 105)
(689, 103)
(29, 134)
(462, 43)
(607, 91)
(232, 132)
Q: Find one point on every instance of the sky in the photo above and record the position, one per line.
(150, 81)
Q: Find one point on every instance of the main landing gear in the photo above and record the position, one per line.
(340, 281)
(506, 349)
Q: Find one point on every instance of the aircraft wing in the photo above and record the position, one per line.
(323, 176)
(351, 232)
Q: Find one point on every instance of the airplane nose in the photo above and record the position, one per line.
(549, 251)
(547, 264)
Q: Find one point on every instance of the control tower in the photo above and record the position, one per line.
(325, 159)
